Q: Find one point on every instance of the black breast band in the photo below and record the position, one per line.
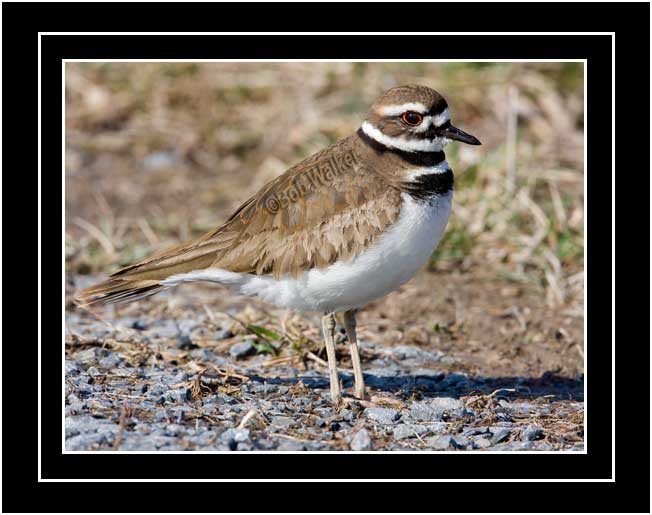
(429, 185)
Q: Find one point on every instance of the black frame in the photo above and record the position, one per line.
(20, 27)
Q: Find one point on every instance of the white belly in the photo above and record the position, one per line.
(389, 262)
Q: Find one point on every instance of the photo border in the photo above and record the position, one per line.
(392, 37)
(22, 43)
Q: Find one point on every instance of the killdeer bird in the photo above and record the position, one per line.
(340, 229)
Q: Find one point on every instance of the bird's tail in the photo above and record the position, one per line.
(117, 290)
(148, 277)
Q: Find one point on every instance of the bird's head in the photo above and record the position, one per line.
(413, 119)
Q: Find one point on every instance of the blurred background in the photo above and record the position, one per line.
(162, 152)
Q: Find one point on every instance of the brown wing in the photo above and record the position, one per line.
(325, 208)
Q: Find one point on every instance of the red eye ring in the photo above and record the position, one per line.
(412, 118)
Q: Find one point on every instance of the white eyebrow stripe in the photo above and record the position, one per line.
(442, 118)
(415, 145)
(395, 110)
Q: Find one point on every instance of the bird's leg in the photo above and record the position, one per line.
(328, 327)
(349, 324)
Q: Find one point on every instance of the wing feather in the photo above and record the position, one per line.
(306, 218)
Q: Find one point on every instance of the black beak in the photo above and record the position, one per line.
(456, 134)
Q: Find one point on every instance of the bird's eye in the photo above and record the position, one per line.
(411, 118)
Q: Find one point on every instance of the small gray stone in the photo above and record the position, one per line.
(502, 423)
(474, 431)
(72, 368)
(483, 443)
(180, 396)
(514, 446)
(235, 435)
(220, 447)
(173, 430)
(361, 441)
(264, 445)
(343, 427)
(110, 361)
(447, 403)
(459, 442)
(325, 412)
(185, 343)
(126, 372)
(75, 408)
(291, 445)
(302, 402)
(500, 434)
(84, 442)
(520, 408)
(403, 431)
(438, 408)
(424, 412)
(90, 356)
(437, 427)
(284, 422)
(440, 443)
(347, 414)
(242, 349)
(94, 372)
(320, 422)
(187, 325)
(88, 424)
(262, 388)
(157, 390)
(163, 441)
(316, 445)
(531, 433)
(382, 415)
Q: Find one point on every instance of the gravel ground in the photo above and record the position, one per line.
(152, 383)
